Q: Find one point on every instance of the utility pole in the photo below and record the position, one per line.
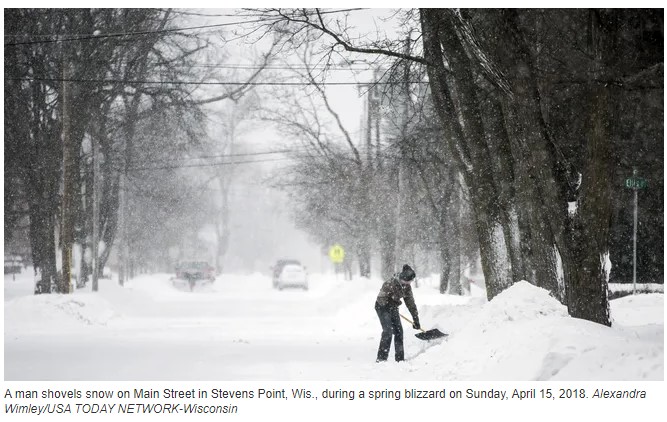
(225, 177)
(377, 115)
(369, 125)
(124, 268)
(96, 212)
(122, 263)
(66, 227)
(122, 219)
(382, 183)
(401, 238)
(366, 171)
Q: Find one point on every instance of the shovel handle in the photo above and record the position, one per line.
(412, 323)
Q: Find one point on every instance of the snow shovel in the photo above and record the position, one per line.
(426, 335)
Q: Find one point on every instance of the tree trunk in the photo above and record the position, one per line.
(504, 165)
(388, 222)
(43, 186)
(453, 94)
(543, 192)
(587, 288)
(454, 242)
(364, 257)
(539, 208)
(222, 224)
(387, 251)
(589, 275)
(444, 265)
(109, 205)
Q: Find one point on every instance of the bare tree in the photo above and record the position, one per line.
(97, 87)
(476, 79)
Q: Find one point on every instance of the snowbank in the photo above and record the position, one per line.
(240, 328)
(43, 312)
(525, 334)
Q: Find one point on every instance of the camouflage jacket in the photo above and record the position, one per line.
(391, 293)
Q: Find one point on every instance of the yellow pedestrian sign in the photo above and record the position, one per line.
(336, 254)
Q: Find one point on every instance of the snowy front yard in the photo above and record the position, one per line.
(241, 329)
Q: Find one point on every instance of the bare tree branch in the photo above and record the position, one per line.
(321, 25)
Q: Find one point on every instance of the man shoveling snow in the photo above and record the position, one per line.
(386, 306)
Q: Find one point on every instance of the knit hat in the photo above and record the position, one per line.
(407, 274)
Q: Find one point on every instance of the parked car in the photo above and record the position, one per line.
(290, 274)
(195, 272)
(278, 267)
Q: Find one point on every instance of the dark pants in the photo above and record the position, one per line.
(391, 325)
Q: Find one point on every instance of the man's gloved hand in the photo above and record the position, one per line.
(416, 325)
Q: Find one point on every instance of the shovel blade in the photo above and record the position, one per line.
(430, 334)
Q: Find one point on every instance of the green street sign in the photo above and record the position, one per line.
(635, 183)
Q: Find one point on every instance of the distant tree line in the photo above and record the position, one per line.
(79, 80)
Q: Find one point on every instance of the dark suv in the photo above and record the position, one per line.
(195, 271)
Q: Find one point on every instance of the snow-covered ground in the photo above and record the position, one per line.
(240, 328)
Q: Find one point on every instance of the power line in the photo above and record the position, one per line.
(254, 14)
(135, 82)
(212, 15)
(231, 155)
(231, 163)
(131, 34)
(361, 64)
(222, 163)
(250, 66)
(264, 19)
(286, 67)
(238, 154)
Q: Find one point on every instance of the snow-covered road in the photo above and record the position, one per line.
(240, 328)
